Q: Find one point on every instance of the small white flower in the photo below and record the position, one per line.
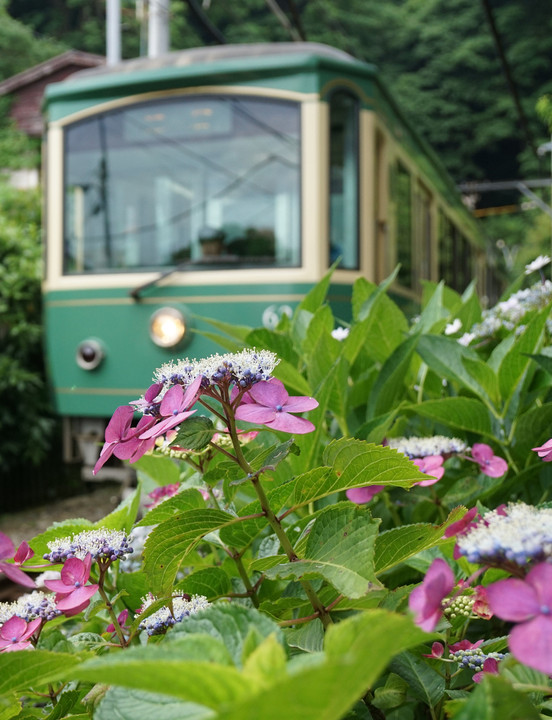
(340, 333)
(101, 544)
(161, 619)
(538, 263)
(453, 327)
(418, 447)
(466, 338)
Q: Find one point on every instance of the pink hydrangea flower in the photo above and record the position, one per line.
(458, 527)
(437, 650)
(363, 495)
(426, 600)
(161, 493)
(544, 451)
(528, 603)
(72, 593)
(268, 403)
(174, 408)
(15, 633)
(430, 465)
(481, 605)
(464, 645)
(489, 463)
(7, 551)
(122, 617)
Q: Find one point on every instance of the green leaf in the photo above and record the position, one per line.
(445, 357)
(340, 548)
(189, 499)
(495, 699)
(485, 377)
(192, 667)
(316, 296)
(459, 413)
(195, 433)
(292, 378)
(126, 704)
(212, 582)
(392, 694)
(172, 540)
(57, 531)
(424, 682)
(20, 670)
(10, 706)
(237, 332)
(531, 429)
(397, 545)
(434, 314)
(306, 636)
(231, 625)
(390, 386)
(162, 470)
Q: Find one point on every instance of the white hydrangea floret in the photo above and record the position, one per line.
(101, 544)
(453, 327)
(340, 333)
(161, 619)
(521, 534)
(30, 606)
(538, 263)
(418, 447)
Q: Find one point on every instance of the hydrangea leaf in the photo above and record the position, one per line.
(172, 540)
(397, 545)
(495, 699)
(444, 356)
(162, 470)
(189, 499)
(128, 704)
(339, 548)
(124, 515)
(213, 582)
(20, 670)
(458, 413)
(195, 433)
(390, 385)
(231, 625)
(424, 682)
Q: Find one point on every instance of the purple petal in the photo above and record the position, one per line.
(119, 423)
(12, 647)
(290, 424)
(496, 467)
(31, 627)
(58, 586)
(300, 404)
(253, 413)
(531, 643)
(23, 553)
(363, 495)
(540, 578)
(425, 600)
(269, 393)
(172, 402)
(7, 548)
(481, 452)
(13, 628)
(144, 447)
(106, 453)
(76, 571)
(77, 598)
(152, 392)
(16, 575)
(193, 391)
(160, 429)
(513, 600)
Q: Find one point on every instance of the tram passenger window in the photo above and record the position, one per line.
(404, 226)
(344, 180)
(143, 182)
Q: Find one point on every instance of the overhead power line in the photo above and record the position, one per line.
(212, 29)
(508, 75)
(296, 33)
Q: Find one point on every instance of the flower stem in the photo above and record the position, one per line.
(113, 616)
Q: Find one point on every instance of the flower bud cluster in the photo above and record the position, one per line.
(164, 618)
(519, 534)
(474, 658)
(102, 545)
(462, 606)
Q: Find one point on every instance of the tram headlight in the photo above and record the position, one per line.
(167, 327)
(89, 354)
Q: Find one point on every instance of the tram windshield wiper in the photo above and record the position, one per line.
(137, 291)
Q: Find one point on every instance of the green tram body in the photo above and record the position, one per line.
(271, 159)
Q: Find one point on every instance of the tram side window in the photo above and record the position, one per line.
(404, 226)
(446, 250)
(344, 180)
(207, 182)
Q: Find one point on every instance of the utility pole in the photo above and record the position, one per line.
(113, 32)
(158, 28)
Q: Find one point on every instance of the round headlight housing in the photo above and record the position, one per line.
(167, 327)
(89, 354)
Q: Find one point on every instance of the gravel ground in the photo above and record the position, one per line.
(25, 524)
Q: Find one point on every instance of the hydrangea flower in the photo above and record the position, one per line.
(269, 404)
(426, 600)
(430, 465)
(340, 333)
(162, 493)
(421, 447)
(528, 603)
(544, 451)
(7, 551)
(30, 606)
(102, 545)
(517, 534)
(182, 607)
(474, 658)
(72, 593)
(121, 440)
(453, 327)
(174, 409)
(15, 634)
(489, 463)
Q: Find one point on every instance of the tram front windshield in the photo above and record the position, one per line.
(201, 182)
